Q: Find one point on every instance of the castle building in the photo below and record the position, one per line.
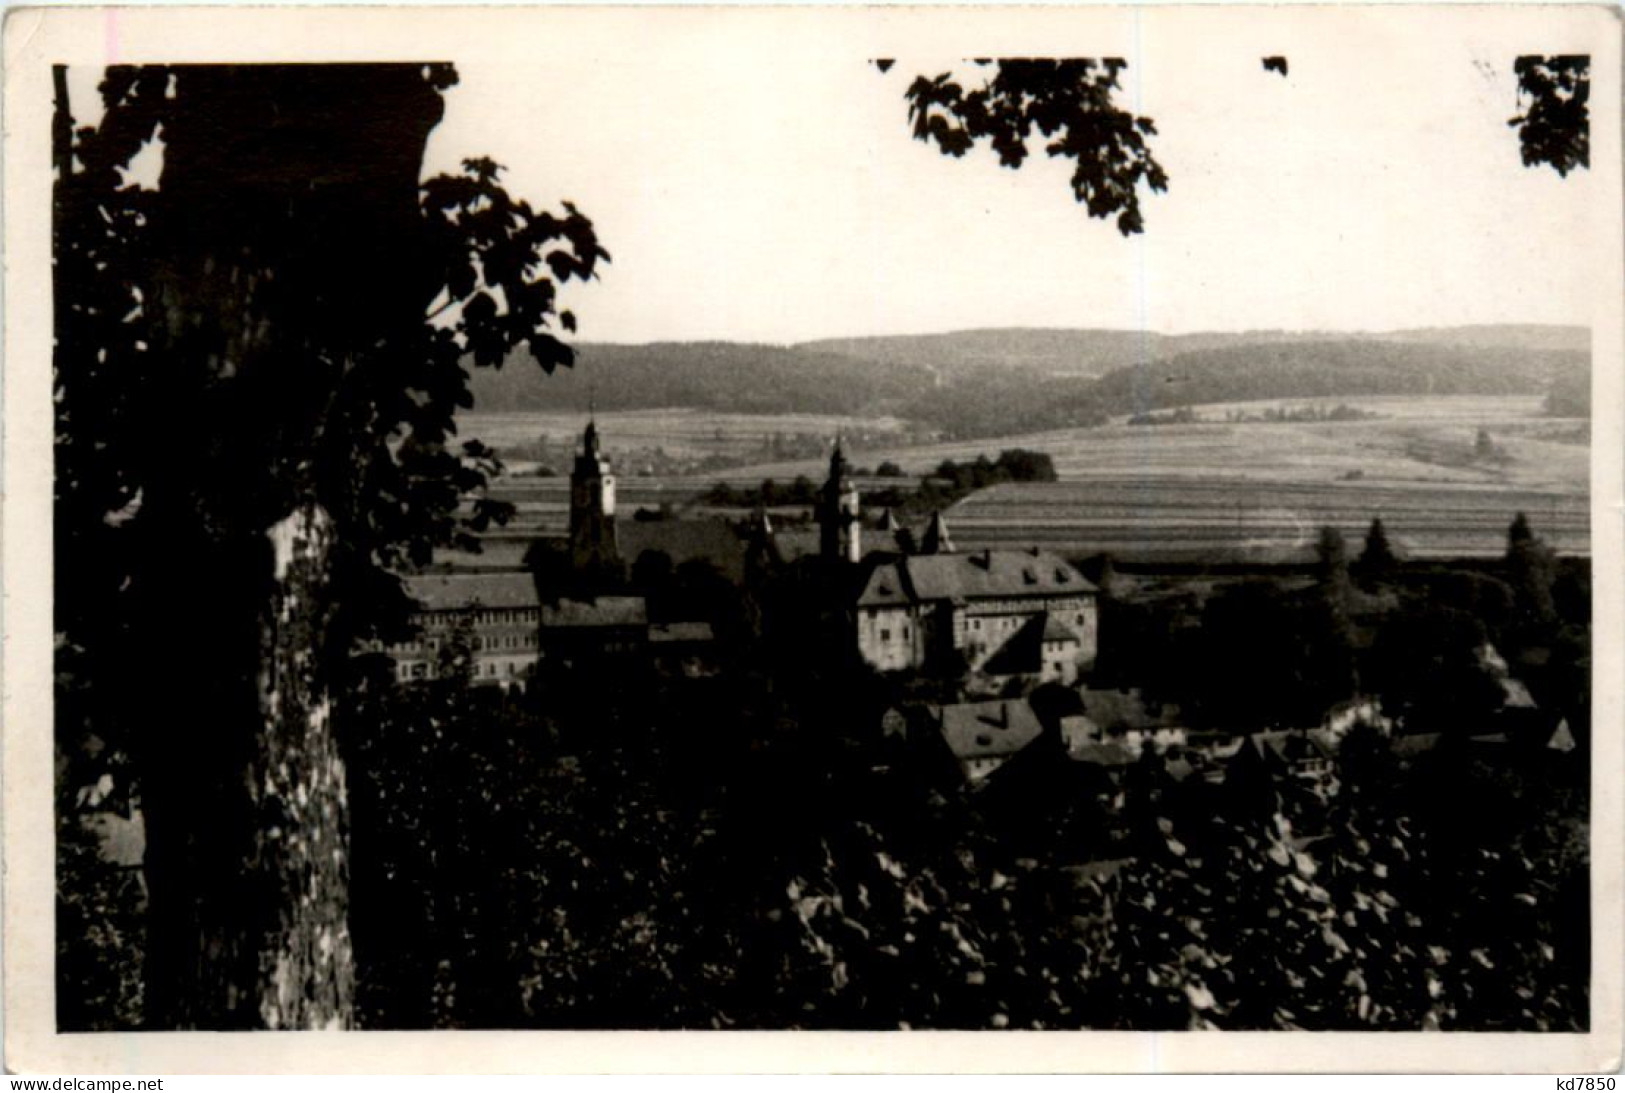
(593, 547)
(1002, 612)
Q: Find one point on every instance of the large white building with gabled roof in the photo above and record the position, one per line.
(1003, 612)
(1026, 613)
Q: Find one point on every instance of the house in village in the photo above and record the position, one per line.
(497, 616)
(982, 736)
(1310, 755)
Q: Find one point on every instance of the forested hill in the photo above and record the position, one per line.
(985, 382)
(1095, 352)
(1329, 369)
(724, 376)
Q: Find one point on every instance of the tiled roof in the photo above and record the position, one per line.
(1291, 747)
(989, 574)
(662, 633)
(456, 591)
(1117, 711)
(682, 541)
(1103, 755)
(978, 730)
(986, 574)
(603, 611)
(1411, 744)
(796, 542)
(884, 588)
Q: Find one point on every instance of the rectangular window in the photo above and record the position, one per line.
(885, 635)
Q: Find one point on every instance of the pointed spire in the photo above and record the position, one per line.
(888, 522)
(837, 460)
(936, 539)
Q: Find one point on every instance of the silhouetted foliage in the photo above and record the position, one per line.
(1531, 571)
(1555, 126)
(1377, 560)
(244, 349)
(948, 483)
(1068, 102)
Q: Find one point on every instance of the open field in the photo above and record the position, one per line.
(650, 441)
(1414, 440)
(1232, 519)
(1222, 491)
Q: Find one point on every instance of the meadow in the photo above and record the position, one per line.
(1215, 490)
(654, 441)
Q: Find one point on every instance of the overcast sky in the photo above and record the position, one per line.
(755, 179)
(774, 194)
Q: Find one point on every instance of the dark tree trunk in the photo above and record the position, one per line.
(283, 250)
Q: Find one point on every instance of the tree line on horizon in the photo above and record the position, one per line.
(970, 402)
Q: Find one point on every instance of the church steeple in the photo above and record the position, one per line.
(840, 512)
(936, 539)
(592, 507)
(589, 440)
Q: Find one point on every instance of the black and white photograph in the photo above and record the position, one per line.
(845, 521)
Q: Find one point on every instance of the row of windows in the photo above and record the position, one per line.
(502, 641)
(439, 620)
(487, 670)
(1008, 607)
(1008, 623)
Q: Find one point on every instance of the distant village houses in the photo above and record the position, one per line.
(1002, 614)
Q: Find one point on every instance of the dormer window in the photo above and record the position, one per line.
(1028, 576)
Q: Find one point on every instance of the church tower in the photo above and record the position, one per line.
(592, 508)
(840, 513)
